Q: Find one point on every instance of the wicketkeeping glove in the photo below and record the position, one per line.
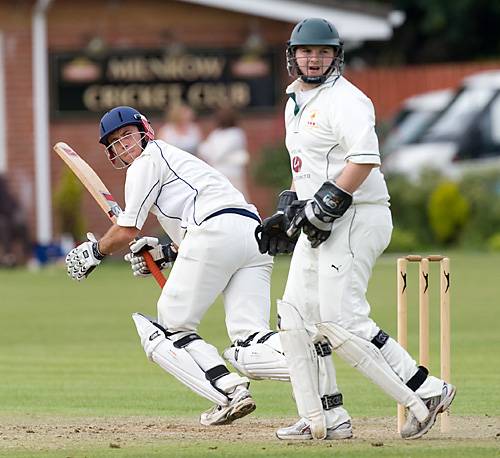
(318, 214)
(83, 259)
(271, 234)
(163, 255)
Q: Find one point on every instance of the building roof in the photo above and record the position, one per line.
(353, 23)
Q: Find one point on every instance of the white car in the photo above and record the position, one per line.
(415, 115)
(465, 135)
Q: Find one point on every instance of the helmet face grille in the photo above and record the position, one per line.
(315, 32)
(119, 151)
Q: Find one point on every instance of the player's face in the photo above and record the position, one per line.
(314, 60)
(125, 145)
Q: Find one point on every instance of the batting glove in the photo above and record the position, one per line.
(83, 259)
(163, 255)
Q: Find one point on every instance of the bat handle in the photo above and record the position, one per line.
(154, 269)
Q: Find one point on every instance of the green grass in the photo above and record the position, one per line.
(71, 350)
(253, 449)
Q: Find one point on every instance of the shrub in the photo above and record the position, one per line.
(402, 241)
(448, 212)
(494, 242)
(272, 169)
(409, 202)
(482, 190)
(68, 205)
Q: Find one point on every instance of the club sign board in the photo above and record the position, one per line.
(150, 80)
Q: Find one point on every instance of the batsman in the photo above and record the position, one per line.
(213, 252)
(338, 209)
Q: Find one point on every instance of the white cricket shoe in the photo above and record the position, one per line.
(413, 429)
(302, 431)
(240, 404)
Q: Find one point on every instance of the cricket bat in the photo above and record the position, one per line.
(101, 194)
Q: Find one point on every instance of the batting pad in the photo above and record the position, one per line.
(260, 361)
(303, 366)
(175, 361)
(302, 362)
(367, 359)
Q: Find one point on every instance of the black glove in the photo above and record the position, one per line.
(271, 234)
(316, 217)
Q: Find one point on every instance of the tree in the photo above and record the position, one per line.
(439, 31)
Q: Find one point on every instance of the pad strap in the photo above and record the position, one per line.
(323, 348)
(380, 339)
(418, 379)
(168, 334)
(186, 340)
(246, 342)
(266, 336)
(330, 401)
(215, 373)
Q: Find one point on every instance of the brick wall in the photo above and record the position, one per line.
(124, 24)
(127, 23)
(16, 27)
(387, 87)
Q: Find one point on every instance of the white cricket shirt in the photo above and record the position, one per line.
(326, 127)
(178, 188)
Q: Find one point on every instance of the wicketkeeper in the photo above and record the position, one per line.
(339, 205)
(212, 228)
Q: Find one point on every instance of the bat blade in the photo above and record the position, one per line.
(89, 179)
(101, 194)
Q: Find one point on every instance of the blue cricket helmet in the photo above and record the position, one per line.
(120, 117)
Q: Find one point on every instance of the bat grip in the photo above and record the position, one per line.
(154, 269)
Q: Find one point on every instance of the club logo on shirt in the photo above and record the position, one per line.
(311, 120)
(296, 164)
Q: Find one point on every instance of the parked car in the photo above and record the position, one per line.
(464, 135)
(415, 115)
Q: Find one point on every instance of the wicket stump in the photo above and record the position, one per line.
(445, 357)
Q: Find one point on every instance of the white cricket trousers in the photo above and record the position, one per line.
(329, 283)
(219, 256)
